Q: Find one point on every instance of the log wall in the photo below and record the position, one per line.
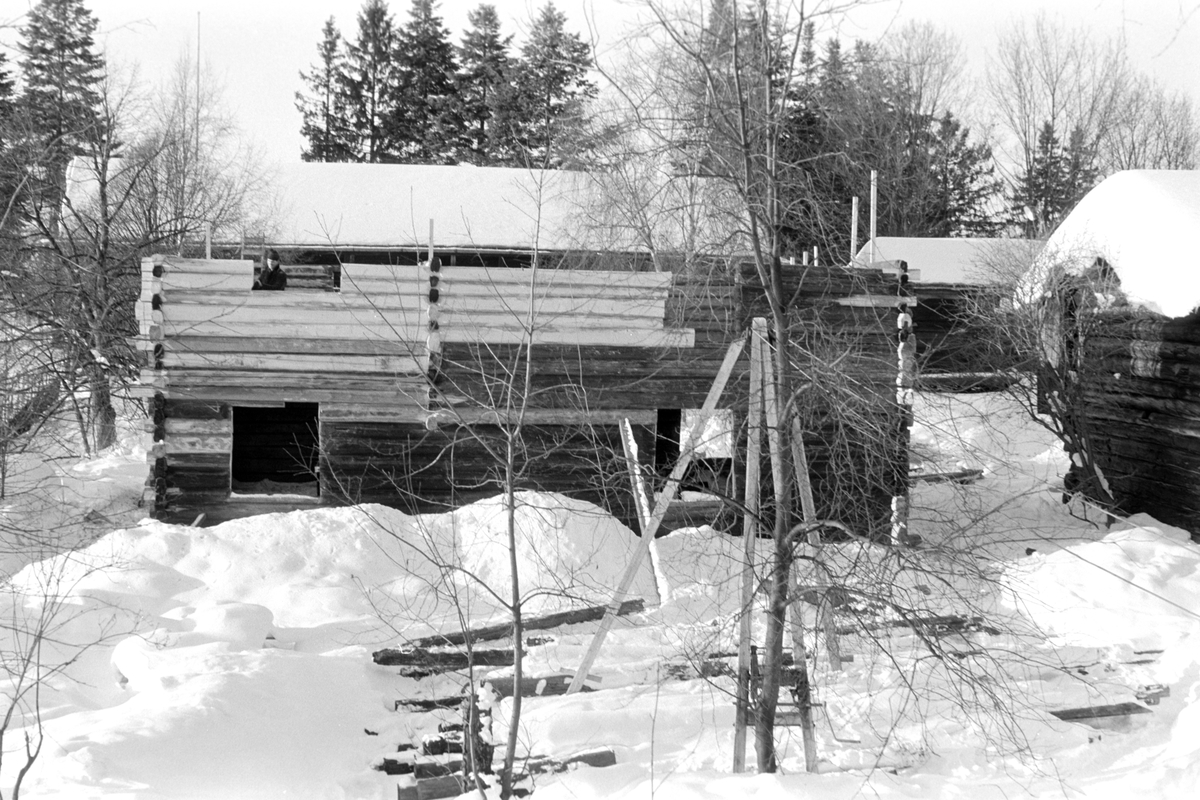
(1142, 402)
(414, 370)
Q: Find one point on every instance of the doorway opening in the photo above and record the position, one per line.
(275, 449)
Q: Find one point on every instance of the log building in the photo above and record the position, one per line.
(399, 379)
(1133, 336)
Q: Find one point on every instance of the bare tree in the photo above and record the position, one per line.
(1044, 72)
(1154, 129)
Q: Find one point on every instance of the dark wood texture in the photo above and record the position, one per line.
(1141, 385)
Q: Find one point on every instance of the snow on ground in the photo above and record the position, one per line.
(235, 661)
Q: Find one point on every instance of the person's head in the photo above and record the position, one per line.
(273, 258)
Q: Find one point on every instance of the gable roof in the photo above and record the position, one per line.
(1142, 222)
(391, 205)
(970, 262)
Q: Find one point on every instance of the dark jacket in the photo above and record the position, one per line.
(272, 280)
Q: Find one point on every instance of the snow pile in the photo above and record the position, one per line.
(235, 661)
(1120, 220)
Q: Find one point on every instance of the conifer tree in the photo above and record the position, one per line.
(482, 78)
(323, 109)
(62, 74)
(542, 120)
(370, 83)
(425, 123)
(1053, 182)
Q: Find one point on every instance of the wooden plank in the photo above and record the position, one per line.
(541, 622)
(660, 509)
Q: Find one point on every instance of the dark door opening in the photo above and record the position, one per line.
(275, 449)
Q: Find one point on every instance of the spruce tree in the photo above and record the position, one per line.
(323, 109)
(483, 75)
(370, 84)
(62, 75)
(1053, 181)
(425, 122)
(544, 118)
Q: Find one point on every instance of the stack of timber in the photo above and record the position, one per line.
(1141, 382)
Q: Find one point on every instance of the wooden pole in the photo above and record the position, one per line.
(754, 417)
(854, 229)
(660, 511)
(874, 211)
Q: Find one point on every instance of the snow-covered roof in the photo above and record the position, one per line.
(1143, 223)
(964, 261)
(391, 205)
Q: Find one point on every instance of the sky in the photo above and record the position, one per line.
(258, 47)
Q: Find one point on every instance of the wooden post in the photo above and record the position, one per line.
(874, 210)
(799, 653)
(660, 511)
(854, 229)
(749, 536)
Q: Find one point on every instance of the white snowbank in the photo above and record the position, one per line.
(1137, 221)
(236, 661)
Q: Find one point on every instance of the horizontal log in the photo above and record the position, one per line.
(542, 622)
(277, 396)
(307, 313)
(609, 337)
(488, 276)
(554, 307)
(397, 331)
(262, 378)
(201, 301)
(360, 412)
(380, 365)
(186, 409)
(292, 345)
(441, 662)
(1099, 712)
(544, 416)
(181, 443)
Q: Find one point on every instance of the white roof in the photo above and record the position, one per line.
(1143, 223)
(964, 261)
(391, 205)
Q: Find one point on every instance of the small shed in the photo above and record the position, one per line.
(951, 278)
(1133, 335)
(398, 382)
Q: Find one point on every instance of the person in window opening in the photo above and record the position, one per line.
(272, 278)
